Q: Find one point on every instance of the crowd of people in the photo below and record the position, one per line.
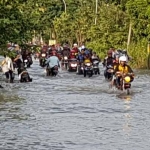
(55, 55)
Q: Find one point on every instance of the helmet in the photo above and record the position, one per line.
(124, 51)
(122, 58)
(82, 47)
(75, 44)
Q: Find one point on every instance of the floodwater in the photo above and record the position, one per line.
(70, 112)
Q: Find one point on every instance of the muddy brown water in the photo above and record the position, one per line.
(70, 112)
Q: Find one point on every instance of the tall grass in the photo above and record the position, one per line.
(139, 54)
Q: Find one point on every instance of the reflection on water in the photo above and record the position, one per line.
(127, 125)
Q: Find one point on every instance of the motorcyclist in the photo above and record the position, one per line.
(65, 51)
(27, 56)
(109, 60)
(52, 61)
(95, 57)
(82, 46)
(87, 51)
(122, 68)
(114, 52)
(129, 58)
(73, 54)
(87, 59)
(96, 60)
(21, 70)
(80, 57)
(116, 61)
(17, 61)
(75, 48)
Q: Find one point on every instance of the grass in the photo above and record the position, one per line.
(139, 54)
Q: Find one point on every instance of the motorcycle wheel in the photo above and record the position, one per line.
(95, 72)
(69, 69)
(128, 91)
(66, 66)
(48, 72)
(98, 72)
(84, 73)
(28, 65)
(91, 74)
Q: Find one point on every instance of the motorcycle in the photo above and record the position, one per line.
(52, 71)
(109, 72)
(43, 59)
(125, 82)
(80, 68)
(28, 62)
(36, 55)
(65, 62)
(88, 69)
(24, 76)
(72, 65)
(96, 67)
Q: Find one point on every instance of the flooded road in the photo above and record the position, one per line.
(71, 112)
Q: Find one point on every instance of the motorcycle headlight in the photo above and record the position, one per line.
(127, 79)
(73, 65)
(43, 55)
(25, 60)
(88, 64)
(65, 58)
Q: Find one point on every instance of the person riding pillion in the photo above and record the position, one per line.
(109, 60)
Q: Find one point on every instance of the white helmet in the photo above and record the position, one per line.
(75, 44)
(82, 47)
(122, 58)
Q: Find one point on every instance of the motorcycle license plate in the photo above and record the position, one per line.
(87, 68)
(95, 67)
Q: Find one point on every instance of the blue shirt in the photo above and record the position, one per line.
(52, 61)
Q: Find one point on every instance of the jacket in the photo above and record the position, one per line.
(123, 69)
(7, 65)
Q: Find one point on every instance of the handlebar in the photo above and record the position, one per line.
(124, 74)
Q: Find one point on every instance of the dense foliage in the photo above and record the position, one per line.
(20, 20)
